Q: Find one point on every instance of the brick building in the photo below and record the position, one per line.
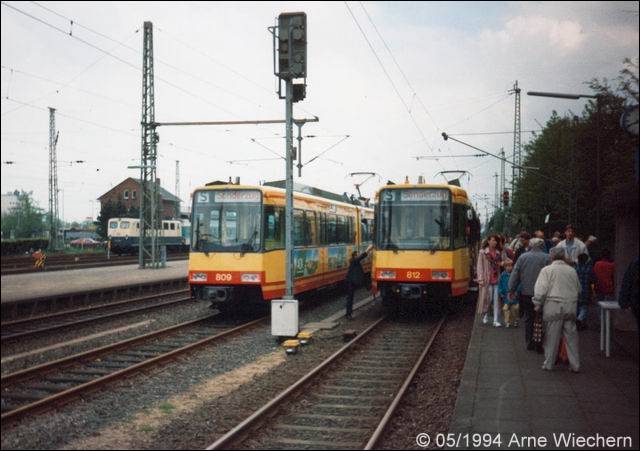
(128, 192)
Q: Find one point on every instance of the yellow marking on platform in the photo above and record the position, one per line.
(138, 432)
(76, 341)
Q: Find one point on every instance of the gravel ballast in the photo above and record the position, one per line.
(429, 403)
(172, 406)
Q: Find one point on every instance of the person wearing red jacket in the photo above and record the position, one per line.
(604, 270)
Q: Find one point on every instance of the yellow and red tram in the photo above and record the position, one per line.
(424, 243)
(237, 256)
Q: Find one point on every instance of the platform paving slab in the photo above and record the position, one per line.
(504, 391)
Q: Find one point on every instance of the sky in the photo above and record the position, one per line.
(434, 67)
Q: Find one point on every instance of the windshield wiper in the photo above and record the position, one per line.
(391, 246)
(248, 246)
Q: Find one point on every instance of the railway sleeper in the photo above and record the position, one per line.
(317, 433)
(161, 349)
(352, 389)
(22, 396)
(142, 354)
(359, 383)
(69, 379)
(296, 427)
(314, 444)
(91, 371)
(107, 364)
(118, 360)
(50, 388)
(365, 377)
(313, 419)
(350, 398)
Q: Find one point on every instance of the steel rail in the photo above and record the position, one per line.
(225, 441)
(239, 432)
(377, 434)
(29, 373)
(28, 268)
(87, 320)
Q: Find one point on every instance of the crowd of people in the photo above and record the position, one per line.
(550, 284)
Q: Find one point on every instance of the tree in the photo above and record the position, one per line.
(26, 220)
(586, 157)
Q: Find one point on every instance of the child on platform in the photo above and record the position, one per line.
(510, 307)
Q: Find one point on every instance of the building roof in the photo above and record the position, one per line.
(164, 194)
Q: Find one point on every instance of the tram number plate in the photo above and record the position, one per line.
(221, 277)
(414, 275)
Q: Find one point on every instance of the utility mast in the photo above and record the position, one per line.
(517, 138)
(497, 194)
(149, 213)
(53, 182)
(177, 192)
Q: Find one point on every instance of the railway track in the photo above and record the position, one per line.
(22, 265)
(346, 401)
(35, 325)
(54, 383)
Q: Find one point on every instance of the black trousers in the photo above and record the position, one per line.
(351, 288)
(526, 310)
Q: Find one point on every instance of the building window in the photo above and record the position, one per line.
(133, 194)
(126, 194)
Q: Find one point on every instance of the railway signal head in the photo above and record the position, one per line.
(292, 45)
(505, 198)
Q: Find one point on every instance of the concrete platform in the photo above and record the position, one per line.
(504, 391)
(19, 287)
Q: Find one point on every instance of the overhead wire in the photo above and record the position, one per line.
(386, 73)
(65, 85)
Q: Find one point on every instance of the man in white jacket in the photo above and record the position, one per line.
(557, 289)
(572, 245)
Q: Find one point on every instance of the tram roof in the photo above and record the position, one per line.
(307, 191)
(456, 190)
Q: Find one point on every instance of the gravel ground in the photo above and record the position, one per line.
(429, 402)
(158, 319)
(188, 403)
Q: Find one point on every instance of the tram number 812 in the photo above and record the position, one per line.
(414, 275)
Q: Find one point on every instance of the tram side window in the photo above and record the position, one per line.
(172, 226)
(274, 228)
(352, 230)
(332, 226)
(298, 227)
(323, 228)
(459, 226)
(311, 233)
(341, 230)
(365, 237)
(113, 225)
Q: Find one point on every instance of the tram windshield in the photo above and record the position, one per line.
(226, 221)
(415, 219)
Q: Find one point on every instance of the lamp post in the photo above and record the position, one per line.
(598, 165)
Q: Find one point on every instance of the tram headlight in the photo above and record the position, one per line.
(199, 277)
(250, 278)
(387, 274)
(441, 275)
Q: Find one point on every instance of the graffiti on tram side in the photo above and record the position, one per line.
(306, 262)
(337, 257)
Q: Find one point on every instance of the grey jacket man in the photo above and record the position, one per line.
(526, 270)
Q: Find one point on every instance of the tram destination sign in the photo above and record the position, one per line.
(415, 195)
(235, 196)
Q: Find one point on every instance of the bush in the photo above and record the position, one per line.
(15, 247)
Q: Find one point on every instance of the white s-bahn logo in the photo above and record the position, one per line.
(387, 196)
(203, 198)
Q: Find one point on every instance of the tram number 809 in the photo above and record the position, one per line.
(223, 277)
